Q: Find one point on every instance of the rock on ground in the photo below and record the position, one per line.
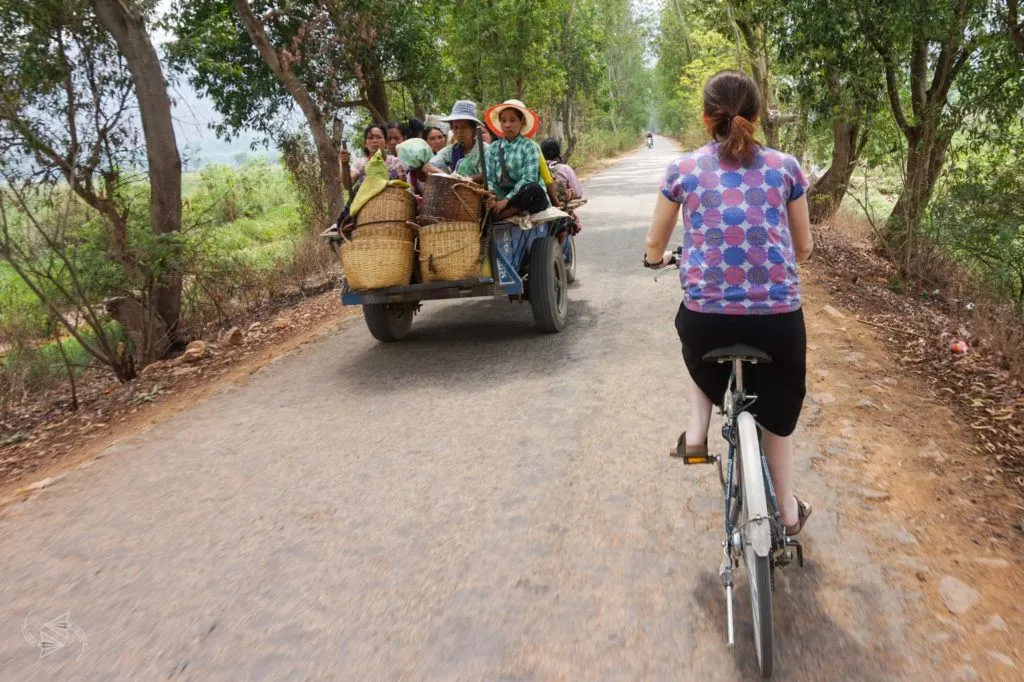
(958, 596)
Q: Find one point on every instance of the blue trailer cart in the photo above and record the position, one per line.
(534, 264)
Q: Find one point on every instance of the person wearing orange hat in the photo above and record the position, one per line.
(513, 161)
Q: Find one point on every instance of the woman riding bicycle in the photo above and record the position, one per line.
(746, 225)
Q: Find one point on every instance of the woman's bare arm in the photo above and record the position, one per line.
(666, 213)
(800, 228)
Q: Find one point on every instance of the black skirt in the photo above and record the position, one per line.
(779, 386)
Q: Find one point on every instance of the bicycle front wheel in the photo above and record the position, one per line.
(755, 535)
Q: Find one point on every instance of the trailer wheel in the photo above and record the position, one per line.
(548, 285)
(388, 322)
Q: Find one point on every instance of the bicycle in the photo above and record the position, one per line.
(754, 531)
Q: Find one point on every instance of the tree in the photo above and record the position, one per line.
(258, 60)
(503, 49)
(924, 49)
(579, 45)
(1014, 25)
(830, 63)
(126, 23)
(759, 56)
(66, 114)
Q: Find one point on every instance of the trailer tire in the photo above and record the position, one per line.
(388, 323)
(548, 285)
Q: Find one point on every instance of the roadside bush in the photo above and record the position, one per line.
(978, 218)
(598, 144)
(299, 157)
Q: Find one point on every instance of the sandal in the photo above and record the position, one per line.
(683, 450)
(803, 512)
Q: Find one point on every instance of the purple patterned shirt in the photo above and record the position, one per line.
(738, 256)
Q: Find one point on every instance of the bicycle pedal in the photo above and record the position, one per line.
(795, 544)
(693, 459)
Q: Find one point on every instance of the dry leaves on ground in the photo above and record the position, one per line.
(919, 331)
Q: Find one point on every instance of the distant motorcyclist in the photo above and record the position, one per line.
(650, 139)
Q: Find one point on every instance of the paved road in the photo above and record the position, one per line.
(477, 503)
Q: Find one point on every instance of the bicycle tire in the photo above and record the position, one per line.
(755, 534)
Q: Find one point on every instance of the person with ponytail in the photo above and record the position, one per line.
(745, 227)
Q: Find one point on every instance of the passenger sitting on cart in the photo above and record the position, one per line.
(513, 162)
(462, 157)
(374, 140)
(567, 185)
(436, 138)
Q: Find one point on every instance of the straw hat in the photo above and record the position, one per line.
(530, 125)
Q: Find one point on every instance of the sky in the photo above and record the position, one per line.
(194, 114)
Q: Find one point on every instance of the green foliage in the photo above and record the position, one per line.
(41, 365)
(223, 194)
(336, 50)
(978, 217)
(692, 45)
(242, 225)
(595, 145)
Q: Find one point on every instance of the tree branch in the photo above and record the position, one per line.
(892, 89)
(918, 73)
(258, 35)
(891, 86)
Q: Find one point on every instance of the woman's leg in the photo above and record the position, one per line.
(700, 415)
(779, 452)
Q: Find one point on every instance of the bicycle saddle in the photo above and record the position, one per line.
(737, 352)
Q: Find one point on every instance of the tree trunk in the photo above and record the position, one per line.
(126, 24)
(1015, 25)
(826, 195)
(799, 149)
(144, 332)
(375, 93)
(754, 38)
(568, 128)
(327, 150)
(925, 158)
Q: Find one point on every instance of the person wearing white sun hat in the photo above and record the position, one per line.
(462, 156)
(513, 161)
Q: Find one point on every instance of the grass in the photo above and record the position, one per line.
(241, 225)
(37, 366)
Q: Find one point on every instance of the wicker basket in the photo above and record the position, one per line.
(450, 251)
(448, 199)
(377, 263)
(394, 204)
(385, 230)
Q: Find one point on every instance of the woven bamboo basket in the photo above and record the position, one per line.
(450, 251)
(385, 230)
(377, 263)
(394, 204)
(448, 199)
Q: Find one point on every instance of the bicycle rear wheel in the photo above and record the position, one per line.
(756, 537)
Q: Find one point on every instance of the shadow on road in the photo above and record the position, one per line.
(471, 344)
(809, 644)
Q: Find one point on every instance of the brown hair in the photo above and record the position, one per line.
(731, 104)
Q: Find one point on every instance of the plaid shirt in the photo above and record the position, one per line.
(522, 161)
